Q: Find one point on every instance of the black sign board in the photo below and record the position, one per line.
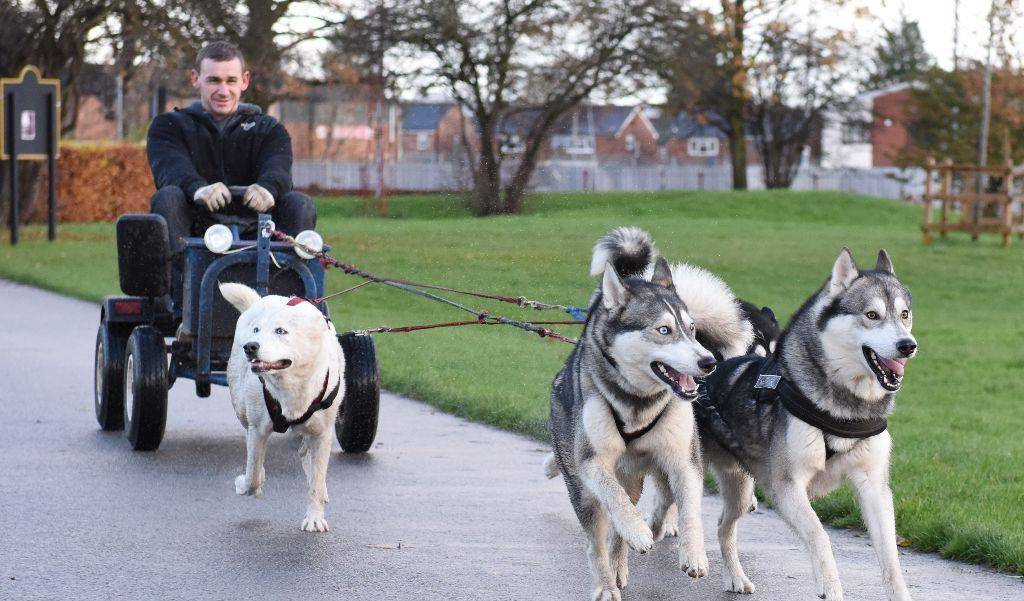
(30, 129)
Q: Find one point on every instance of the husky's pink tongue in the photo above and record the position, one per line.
(686, 383)
(893, 365)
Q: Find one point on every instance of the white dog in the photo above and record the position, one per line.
(286, 370)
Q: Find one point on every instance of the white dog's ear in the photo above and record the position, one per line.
(613, 291)
(884, 262)
(240, 296)
(843, 273)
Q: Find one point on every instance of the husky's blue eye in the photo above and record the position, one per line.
(665, 330)
(871, 315)
(280, 331)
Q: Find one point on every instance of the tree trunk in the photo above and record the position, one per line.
(516, 188)
(736, 20)
(486, 199)
(738, 152)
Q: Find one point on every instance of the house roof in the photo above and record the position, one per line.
(689, 125)
(585, 120)
(424, 116)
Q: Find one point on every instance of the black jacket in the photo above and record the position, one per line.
(187, 150)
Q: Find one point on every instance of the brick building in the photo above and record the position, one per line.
(431, 132)
(337, 123)
(872, 133)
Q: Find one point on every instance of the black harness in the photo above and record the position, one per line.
(771, 387)
(281, 423)
(620, 425)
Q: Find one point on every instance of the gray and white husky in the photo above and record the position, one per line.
(813, 414)
(620, 407)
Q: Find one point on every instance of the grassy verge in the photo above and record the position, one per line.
(956, 470)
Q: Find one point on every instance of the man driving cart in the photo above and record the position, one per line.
(197, 152)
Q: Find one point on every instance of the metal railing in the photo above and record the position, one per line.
(572, 177)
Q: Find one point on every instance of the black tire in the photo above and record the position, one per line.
(108, 381)
(145, 389)
(357, 418)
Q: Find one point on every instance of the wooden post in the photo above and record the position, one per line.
(947, 192)
(927, 225)
(1008, 204)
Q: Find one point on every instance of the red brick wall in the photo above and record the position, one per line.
(612, 149)
(888, 140)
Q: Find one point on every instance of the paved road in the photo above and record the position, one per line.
(440, 509)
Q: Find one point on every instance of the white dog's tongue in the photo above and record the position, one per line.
(893, 365)
(686, 383)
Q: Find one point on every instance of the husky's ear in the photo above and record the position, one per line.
(662, 275)
(884, 262)
(843, 273)
(240, 296)
(613, 291)
(767, 312)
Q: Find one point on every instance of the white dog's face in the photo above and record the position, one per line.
(276, 336)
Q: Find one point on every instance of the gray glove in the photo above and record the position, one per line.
(258, 198)
(214, 197)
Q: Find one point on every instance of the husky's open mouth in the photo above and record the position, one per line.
(262, 367)
(680, 383)
(888, 371)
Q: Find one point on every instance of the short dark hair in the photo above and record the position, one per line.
(220, 52)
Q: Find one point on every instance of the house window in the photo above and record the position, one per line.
(572, 145)
(856, 132)
(511, 144)
(630, 142)
(702, 147)
(422, 141)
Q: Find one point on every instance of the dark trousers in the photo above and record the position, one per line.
(292, 213)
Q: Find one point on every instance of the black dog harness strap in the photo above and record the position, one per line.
(281, 423)
(771, 386)
(631, 436)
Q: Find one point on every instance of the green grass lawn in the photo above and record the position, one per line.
(958, 425)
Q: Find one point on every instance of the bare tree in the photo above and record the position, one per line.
(533, 60)
(52, 35)
(265, 33)
(796, 78)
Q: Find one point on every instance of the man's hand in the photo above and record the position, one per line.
(258, 198)
(215, 196)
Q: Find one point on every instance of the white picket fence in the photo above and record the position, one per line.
(563, 177)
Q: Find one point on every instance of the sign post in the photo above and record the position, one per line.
(31, 131)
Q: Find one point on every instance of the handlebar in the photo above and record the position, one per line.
(237, 193)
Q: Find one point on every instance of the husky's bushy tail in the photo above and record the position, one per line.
(630, 250)
(721, 324)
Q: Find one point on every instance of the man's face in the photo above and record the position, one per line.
(220, 85)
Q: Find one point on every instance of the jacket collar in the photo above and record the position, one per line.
(244, 110)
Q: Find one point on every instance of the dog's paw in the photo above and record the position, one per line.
(739, 583)
(694, 565)
(639, 537)
(622, 571)
(753, 504)
(243, 487)
(607, 593)
(831, 590)
(315, 523)
(666, 529)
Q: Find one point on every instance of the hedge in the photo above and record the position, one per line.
(98, 182)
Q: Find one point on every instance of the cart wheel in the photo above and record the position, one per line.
(357, 419)
(108, 394)
(145, 389)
